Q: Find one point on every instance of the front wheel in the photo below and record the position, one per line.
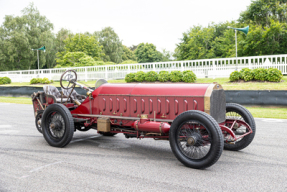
(57, 125)
(196, 139)
(237, 112)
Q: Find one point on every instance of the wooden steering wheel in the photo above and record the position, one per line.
(69, 76)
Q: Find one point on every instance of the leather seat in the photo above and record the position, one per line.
(74, 94)
(51, 90)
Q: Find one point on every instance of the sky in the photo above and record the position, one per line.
(161, 22)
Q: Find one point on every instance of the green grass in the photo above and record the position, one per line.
(18, 100)
(223, 81)
(261, 112)
(246, 85)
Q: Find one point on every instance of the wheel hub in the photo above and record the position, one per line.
(39, 122)
(56, 125)
(193, 140)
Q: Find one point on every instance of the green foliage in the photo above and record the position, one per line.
(147, 53)
(262, 12)
(248, 75)
(264, 41)
(176, 76)
(81, 43)
(130, 77)
(76, 59)
(128, 62)
(166, 55)
(87, 61)
(274, 75)
(151, 76)
(196, 44)
(35, 81)
(267, 35)
(20, 34)
(164, 76)
(140, 76)
(61, 36)
(5, 80)
(260, 74)
(40, 80)
(242, 73)
(234, 76)
(189, 77)
(128, 54)
(112, 46)
(45, 81)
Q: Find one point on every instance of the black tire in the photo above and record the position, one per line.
(209, 128)
(38, 121)
(234, 110)
(107, 134)
(57, 125)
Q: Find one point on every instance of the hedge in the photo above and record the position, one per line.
(5, 80)
(163, 76)
(259, 74)
(40, 80)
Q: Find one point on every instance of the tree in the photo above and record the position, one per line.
(133, 47)
(166, 55)
(196, 44)
(112, 46)
(146, 52)
(267, 34)
(261, 12)
(75, 59)
(82, 43)
(62, 35)
(20, 34)
(128, 54)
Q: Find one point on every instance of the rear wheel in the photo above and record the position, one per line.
(57, 125)
(38, 120)
(238, 112)
(196, 139)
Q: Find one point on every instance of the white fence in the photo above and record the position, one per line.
(212, 68)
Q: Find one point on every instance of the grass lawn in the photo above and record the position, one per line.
(223, 81)
(268, 112)
(261, 112)
(247, 85)
(18, 100)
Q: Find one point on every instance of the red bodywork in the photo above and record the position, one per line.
(165, 101)
(124, 105)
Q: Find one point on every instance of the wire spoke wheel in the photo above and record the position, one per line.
(238, 112)
(58, 125)
(237, 129)
(194, 140)
(38, 120)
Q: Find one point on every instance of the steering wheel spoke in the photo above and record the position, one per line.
(69, 76)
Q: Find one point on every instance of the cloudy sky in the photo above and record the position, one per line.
(160, 22)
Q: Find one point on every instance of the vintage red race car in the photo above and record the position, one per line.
(194, 118)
